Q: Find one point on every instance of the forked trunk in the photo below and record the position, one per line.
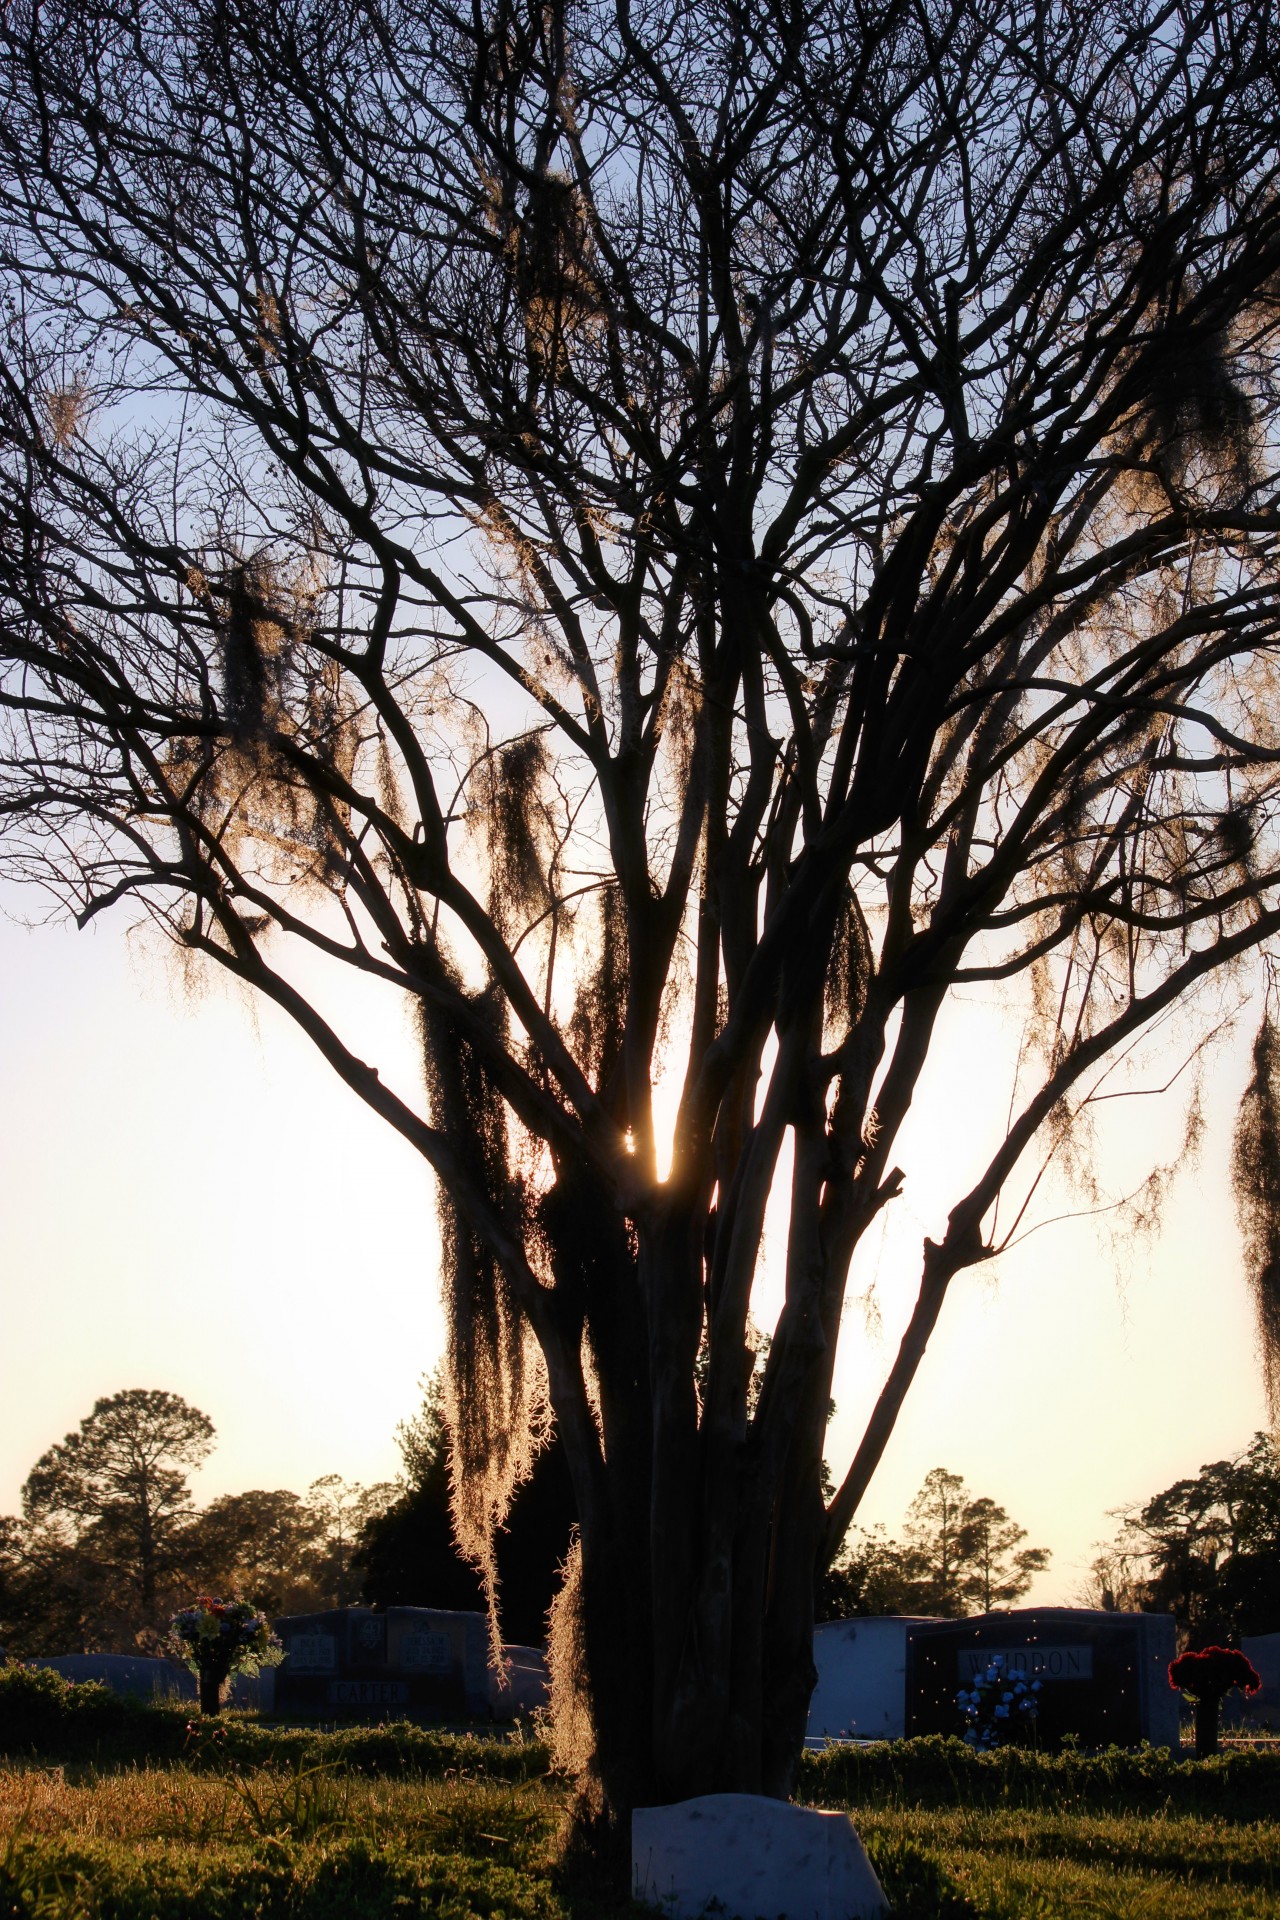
(734, 1726)
(695, 1602)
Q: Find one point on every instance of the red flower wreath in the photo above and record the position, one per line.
(1210, 1674)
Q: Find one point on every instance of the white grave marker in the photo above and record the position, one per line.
(744, 1857)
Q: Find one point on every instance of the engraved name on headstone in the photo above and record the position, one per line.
(368, 1693)
(1028, 1663)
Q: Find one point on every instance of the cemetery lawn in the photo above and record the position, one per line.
(312, 1842)
(109, 1813)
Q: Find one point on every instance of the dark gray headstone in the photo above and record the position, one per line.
(128, 1674)
(523, 1685)
(409, 1662)
(1261, 1709)
(137, 1678)
(1104, 1676)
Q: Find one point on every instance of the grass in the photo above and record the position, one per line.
(396, 1822)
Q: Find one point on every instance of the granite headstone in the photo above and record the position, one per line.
(133, 1676)
(1262, 1709)
(1104, 1676)
(409, 1662)
(522, 1687)
(137, 1677)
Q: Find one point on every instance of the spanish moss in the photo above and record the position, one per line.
(1255, 1175)
(494, 1396)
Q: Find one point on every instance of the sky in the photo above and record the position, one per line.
(189, 1200)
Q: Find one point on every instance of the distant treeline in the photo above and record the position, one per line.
(110, 1543)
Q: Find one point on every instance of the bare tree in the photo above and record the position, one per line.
(666, 535)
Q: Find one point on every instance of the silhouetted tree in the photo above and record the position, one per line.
(119, 1482)
(873, 1575)
(1207, 1549)
(259, 1545)
(54, 1599)
(996, 1569)
(958, 1555)
(932, 1537)
(340, 1511)
(669, 539)
(408, 1555)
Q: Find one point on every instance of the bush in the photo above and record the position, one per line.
(941, 1770)
(43, 1714)
(45, 1717)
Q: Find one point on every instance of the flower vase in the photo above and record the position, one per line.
(213, 1686)
(1207, 1725)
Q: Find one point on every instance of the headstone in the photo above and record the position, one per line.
(409, 1662)
(522, 1686)
(1262, 1709)
(862, 1679)
(1104, 1676)
(137, 1678)
(127, 1674)
(744, 1857)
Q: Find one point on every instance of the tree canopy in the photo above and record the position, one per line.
(1206, 1549)
(679, 539)
(959, 1554)
(119, 1485)
(109, 1542)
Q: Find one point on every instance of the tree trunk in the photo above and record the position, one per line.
(698, 1639)
(699, 1545)
(1207, 1726)
(732, 1724)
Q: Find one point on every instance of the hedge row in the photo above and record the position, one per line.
(938, 1771)
(45, 1717)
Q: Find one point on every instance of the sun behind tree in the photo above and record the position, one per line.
(680, 540)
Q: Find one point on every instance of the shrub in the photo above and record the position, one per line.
(44, 1717)
(943, 1771)
(40, 1711)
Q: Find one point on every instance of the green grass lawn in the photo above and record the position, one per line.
(130, 1818)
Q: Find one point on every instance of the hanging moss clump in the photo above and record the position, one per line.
(1255, 1177)
(494, 1402)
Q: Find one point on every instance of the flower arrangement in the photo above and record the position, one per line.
(217, 1638)
(1206, 1677)
(997, 1704)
